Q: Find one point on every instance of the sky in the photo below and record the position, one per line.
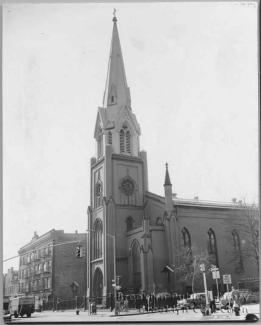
(192, 73)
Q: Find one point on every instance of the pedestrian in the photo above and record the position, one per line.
(236, 308)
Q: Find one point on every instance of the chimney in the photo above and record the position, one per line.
(196, 198)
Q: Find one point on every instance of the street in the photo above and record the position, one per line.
(103, 316)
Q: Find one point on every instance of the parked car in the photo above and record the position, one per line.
(185, 304)
(198, 299)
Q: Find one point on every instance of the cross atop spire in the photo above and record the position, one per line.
(116, 88)
(114, 16)
(167, 178)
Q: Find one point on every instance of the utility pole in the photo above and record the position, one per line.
(114, 275)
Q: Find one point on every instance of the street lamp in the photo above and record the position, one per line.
(114, 269)
(202, 269)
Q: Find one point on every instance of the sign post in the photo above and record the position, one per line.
(227, 280)
(216, 276)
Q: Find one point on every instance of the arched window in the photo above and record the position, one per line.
(125, 140)
(186, 238)
(128, 141)
(98, 194)
(187, 245)
(122, 142)
(97, 239)
(109, 137)
(159, 221)
(237, 251)
(130, 223)
(212, 247)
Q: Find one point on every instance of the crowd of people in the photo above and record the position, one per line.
(147, 303)
(163, 302)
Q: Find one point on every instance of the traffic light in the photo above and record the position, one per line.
(79, 251)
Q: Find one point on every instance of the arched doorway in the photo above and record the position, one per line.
(98, 285)
(136, 266)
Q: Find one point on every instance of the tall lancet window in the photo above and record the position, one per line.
(97, 239)
(212, 248)
(237, 252)
(122, 142)
(187, 246)
(100, 144)
(128, 141)
(125, 140)
(98, 194)
(109, 137)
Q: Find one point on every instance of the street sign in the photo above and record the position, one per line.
(215, 274)
(202, 267)
(227, 279)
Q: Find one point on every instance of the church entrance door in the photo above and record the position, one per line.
(98, 285)
(136, 267)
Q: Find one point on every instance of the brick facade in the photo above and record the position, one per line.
(49, 268)
(156, 236)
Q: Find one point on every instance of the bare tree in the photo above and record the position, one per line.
(244, 236)
(189, 271)
(251, 231)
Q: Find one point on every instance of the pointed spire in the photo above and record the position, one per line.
(116, 88)
(167, 178)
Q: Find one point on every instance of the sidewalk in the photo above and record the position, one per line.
(106, 315)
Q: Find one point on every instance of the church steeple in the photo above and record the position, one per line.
(116, 89)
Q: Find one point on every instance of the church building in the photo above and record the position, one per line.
(152, 243)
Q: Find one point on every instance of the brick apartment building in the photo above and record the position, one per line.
(53, 267)
(11, 283)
